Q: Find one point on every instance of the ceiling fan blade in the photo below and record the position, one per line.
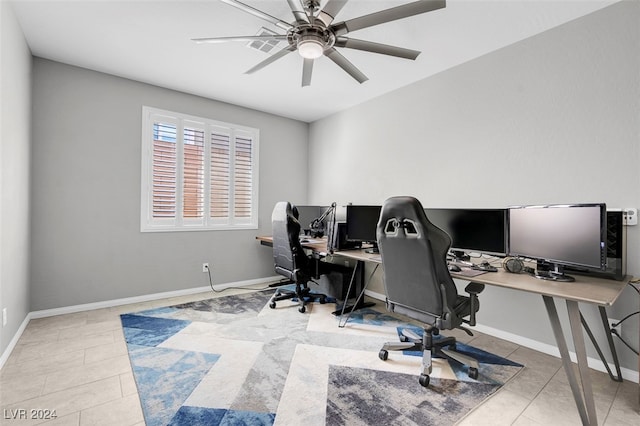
(331, 9)
(307, 69)
(370, 46)
(388, 15)
(347, 66)
(271, 59)
(260, 14)
(298, 12)
(240, 38)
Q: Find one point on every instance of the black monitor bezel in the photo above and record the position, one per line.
(481, 250)
(350, 237)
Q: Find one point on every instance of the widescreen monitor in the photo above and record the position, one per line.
(559, 235)
(481, 231)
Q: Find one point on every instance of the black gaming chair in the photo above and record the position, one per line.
(418, 283)
(290, 259)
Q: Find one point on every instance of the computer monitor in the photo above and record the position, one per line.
(473, 230)
(362, 224)
(559, 235)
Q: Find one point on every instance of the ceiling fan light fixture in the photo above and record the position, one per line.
(310, 48)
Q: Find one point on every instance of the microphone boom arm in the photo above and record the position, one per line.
(317, 228)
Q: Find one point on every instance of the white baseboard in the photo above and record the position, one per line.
(119, 302)
(552, 350)
(147, 297)
(375, 295)
(12, 344)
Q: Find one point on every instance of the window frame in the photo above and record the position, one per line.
(236, 133)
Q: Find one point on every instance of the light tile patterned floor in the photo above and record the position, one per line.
(77, 365)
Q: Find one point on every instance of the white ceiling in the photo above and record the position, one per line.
(149, 41)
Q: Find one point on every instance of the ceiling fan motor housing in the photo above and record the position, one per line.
(304, 35)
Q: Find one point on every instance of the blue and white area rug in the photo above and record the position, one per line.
(234, 361)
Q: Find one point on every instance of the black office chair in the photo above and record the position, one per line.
(290, 259)
(418, 284)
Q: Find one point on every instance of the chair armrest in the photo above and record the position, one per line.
(473, 289)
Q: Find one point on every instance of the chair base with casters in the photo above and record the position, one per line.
(302, 292)
(429, 348)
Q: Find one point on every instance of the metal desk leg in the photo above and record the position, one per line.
(359, 303)
(584, 397)
(612, 347)
(583, 365)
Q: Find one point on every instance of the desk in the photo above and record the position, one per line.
(585, 289)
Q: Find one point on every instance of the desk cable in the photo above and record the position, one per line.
(226, 288)
(633, 284)
(360, 296)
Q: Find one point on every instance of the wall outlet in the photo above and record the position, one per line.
(205, 267)
(612, 324)
(4, 316)
(630, 216)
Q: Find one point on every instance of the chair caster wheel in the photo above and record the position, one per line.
(383, 354)
(323, 301)
(473, 373)
(302, 309)
(424, 380)
(404, 338)
(272, 305)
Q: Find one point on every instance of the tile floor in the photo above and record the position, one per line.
(77, 365)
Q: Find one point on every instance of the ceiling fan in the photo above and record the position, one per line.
(313, 33)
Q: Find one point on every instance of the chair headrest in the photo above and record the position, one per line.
(403, 213)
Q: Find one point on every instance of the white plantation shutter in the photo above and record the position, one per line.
(164, 170)
(220, 175)
(243, 185)
(193, 174)
(197, 173)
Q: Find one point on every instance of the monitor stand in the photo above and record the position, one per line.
(460, 256)
(373, 250)
(551, 272)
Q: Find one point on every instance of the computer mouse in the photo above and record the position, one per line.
(454, 268)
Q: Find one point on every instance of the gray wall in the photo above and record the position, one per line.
(551, 119)
(15, 105)
(86, 239)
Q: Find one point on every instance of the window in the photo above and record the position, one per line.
(197, 174)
